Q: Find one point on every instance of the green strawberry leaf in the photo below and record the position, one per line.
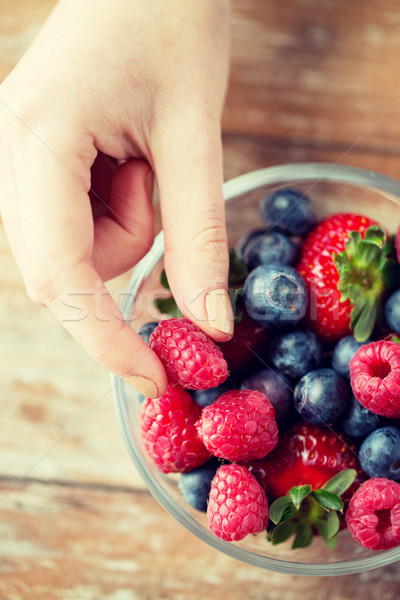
(237, 270)
(331, 542)
(167, 306)
(329, 526)
(280, 508)
(298, 493)
(304, 536)
(280, 533)
(327, 500)
(340, 482)
(164, 280)
(375, 235)
(364, 323)
(365, 271)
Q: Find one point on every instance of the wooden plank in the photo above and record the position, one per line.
(319, 71)
(87, 543)
(243, 153)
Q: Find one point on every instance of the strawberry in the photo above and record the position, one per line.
(346, 267)
(305, 454)
(305, 474)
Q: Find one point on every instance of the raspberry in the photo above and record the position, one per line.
(240, 425)
(190, 357)
(373, 516)
(375, 377)
(169, 434)
(237, 505)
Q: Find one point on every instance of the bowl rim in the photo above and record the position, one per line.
(242, 184)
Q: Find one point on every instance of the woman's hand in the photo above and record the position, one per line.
(138, 81)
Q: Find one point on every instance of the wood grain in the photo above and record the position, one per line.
(310, 81)
(63, 542)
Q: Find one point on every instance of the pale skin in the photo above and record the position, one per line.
(141, 82)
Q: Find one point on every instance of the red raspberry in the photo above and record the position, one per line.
(240, 425)
(373, 516)
(237, 505)
(375, 377)
(169, 434)
(189, 356)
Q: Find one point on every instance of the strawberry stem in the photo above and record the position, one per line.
(365, 272)
(303, 512)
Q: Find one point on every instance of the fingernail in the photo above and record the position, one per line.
(219, 311)
(142, 385)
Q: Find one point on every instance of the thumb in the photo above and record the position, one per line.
(188, 165)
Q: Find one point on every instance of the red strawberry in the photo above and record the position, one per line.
(305, 454)
(327, 316)
(306, 474)
(190, 357)
(169, 433)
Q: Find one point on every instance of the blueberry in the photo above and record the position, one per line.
(146, 330)
(275, 295)
(343, 352)
(276, 387)
(321, 396)
(380, 453)
(392, 312)
(288, 210)
(295, 352)
(246, 242)
(195, 486)
(356, 420)
(271, 247)
(207, 397)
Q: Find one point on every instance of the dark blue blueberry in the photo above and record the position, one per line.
(146, 330)
(380, 453)
(275, 295)
(207, 397)
(288, 210)
(296, 352)
(392, 312)
(273, 246)
(321, 396)
(195, 486)
(356, 420)
(343, 352)
(276, 387)
(246, 242)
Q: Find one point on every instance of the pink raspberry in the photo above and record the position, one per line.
(239, 425)
(189, 356)
(237, 505)
(375, 377)
(169, 434)
(373, 515)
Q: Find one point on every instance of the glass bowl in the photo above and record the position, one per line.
(332, 188)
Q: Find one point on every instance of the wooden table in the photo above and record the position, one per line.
(312, 80)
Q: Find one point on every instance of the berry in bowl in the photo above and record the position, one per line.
(281, 447)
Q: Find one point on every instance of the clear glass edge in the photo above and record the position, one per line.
(242, 184)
